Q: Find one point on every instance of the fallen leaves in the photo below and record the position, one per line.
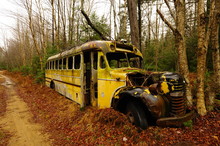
(68, 125)
(4, 135)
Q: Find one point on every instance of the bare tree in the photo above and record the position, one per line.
(132, 12)
(215, 42)
(113, 7)
(123, 21)
(71, 17)
(53, 21)
(28, 5)
(93, 26)
(203, 39)
(179, 33)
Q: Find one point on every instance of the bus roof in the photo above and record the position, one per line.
(104, 46)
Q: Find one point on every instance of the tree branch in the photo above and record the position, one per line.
(171, 12)
(166, 22)
(93, 26)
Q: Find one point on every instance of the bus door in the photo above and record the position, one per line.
(104, 82)
(90, 78)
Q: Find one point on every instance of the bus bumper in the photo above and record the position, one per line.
(176, 121)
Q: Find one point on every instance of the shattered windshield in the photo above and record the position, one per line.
(122, 59)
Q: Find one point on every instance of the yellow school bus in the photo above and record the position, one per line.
(108, 74)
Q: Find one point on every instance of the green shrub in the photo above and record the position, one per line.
(26, 70)
(14, 69)
(188, 124)
(39, 77)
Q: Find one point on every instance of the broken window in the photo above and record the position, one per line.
(60, 64)
(77, 61)
(102, 62)
(70, 62)
(64, 63)
(120, 59)
(51, 65)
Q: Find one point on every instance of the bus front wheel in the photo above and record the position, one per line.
(136, 115)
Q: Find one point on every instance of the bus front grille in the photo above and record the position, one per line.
(178, 100)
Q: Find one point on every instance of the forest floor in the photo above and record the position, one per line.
(33, 114)
(16, 119)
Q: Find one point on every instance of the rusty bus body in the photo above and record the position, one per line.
(108, 74)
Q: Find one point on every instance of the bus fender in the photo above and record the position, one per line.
(153, 103)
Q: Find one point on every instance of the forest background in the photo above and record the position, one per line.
(173, 35)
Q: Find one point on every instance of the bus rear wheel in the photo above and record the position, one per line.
(52, 85)
(136, 115)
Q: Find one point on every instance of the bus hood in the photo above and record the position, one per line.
(129, 74)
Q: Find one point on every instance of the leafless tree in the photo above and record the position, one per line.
(203, 39)
(179, 33)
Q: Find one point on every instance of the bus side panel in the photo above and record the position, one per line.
(67, 83)
(48, 78)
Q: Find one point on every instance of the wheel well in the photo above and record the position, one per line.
(124, 100)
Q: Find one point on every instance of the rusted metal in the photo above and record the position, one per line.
(177, 120)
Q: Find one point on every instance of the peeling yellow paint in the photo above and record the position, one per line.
(165, 87)
(147, 91)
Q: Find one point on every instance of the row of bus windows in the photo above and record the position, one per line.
(72, 62)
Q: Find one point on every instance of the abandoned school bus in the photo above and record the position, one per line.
(108, 74)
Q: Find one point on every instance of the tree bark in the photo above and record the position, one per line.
(215, 43)
(53, 22)
(214, 84)
(140, 24)
(203, 39)
(132, 12)
(181, 45)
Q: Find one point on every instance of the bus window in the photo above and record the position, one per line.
(57, 64)
(64, 63)
(118, 60)
(77, 61)
(51, 65)
(70, 62)
(102, 62)
(60, 64)
(95, 60)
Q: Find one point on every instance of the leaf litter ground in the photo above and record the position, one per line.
(67, 124)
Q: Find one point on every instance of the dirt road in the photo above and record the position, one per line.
(17, 120)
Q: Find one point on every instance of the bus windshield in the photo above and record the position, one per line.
(122, 59)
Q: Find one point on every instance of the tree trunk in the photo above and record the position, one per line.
(132, 12)
(114, 15)
(203, 39)
(53, 22)
(215, 43)
(57, 28)
(140, 24)
(181, 45)
(214, 84)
